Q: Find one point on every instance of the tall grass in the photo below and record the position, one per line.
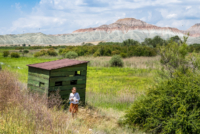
(133, 62)
(27, 113)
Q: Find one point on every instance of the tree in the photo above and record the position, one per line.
(177, 39)
(6, 53)
(174, 57)
(71, 55)
(25, 52)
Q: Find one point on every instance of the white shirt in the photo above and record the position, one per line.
(75, 98)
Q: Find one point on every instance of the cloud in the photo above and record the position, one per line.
(188, 7)
(65, 16)
(171, 16)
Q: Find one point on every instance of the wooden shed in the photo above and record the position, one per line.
(48, 77)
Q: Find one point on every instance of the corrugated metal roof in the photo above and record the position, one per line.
(57, 64)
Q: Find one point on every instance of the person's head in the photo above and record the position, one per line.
(74, 90)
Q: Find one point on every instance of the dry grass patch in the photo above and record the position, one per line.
(133, 62)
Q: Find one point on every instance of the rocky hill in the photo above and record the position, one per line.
(194, 30)
(122, 29)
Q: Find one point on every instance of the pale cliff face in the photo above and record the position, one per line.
(194, 30)
(122, 29)
(128, 24)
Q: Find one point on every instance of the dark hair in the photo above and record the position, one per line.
(73, 88)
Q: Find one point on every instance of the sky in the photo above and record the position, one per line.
(66, 16)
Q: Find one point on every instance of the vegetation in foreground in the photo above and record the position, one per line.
(26, 113)
(172, 106)
(163, 108)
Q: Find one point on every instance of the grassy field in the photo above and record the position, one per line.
(110, 90)
(116, 87)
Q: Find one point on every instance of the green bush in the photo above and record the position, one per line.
(116, 61)
(40, 53)
(171, 107)
(115, 52)
(25, 51)
(52, 52)
(123, 55)
(6, 53)
(15, 55)
(71, 55)
(96, 54)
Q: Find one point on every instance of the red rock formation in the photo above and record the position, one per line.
(194, 30)
(133, 24)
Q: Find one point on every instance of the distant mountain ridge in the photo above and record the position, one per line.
(126, 25)
(122, 29)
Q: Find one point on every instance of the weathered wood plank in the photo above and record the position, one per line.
(83, 72)
(70, 69)
(32, 87)
(31, 77)
(81, 81)
(39, 71)
(67, 78)
(64, 83)
(39, 75)
(32, 82)
(69, 87)
(67, 73)
(37, 83)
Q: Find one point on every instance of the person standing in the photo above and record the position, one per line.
(74, 100)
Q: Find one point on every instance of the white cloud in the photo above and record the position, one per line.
(18, 6)
(171, 16)
(64, 16)
(188, 7)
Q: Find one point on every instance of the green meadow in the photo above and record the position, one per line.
(107, 87)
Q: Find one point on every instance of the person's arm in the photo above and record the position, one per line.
(78, 97)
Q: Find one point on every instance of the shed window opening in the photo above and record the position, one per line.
(73, 82)
(41, 84)
(78, 73)
(58, 83)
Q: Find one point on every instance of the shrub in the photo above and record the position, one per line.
(116, 61)
(6, 53)
(15, 55)
(71, 55)
(25, 51)
(40, 53)
(170, 107)
(107, 52)
(96, 54)
(115, 52)
(123, 55)
(52, 52)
